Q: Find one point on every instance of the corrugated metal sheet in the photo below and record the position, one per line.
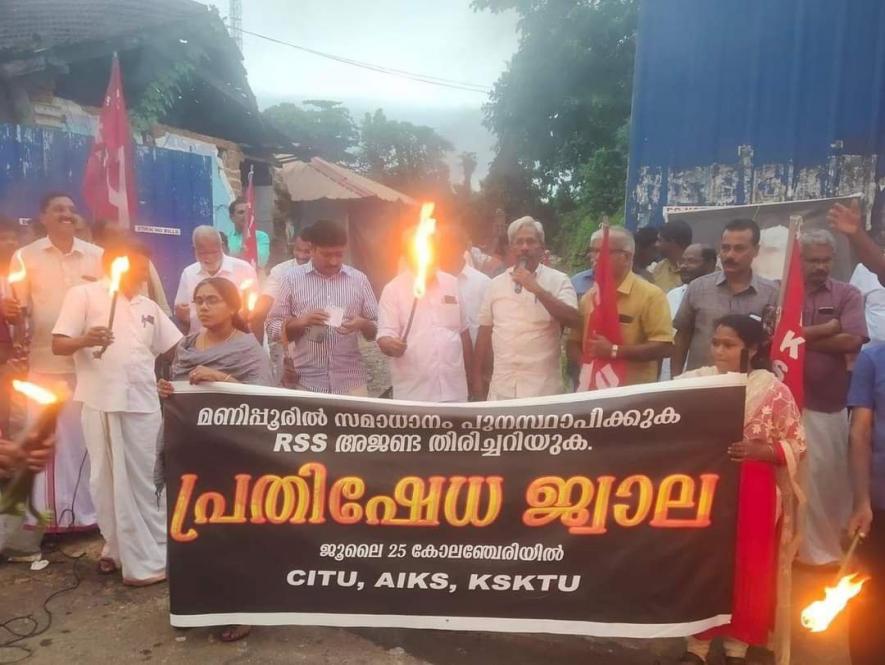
(319, 179)
(174, 188)
(755, 101)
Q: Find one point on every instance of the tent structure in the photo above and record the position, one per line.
(373, 213)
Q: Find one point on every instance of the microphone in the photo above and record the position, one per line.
(522, 262)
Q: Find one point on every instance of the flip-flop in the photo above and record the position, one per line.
(234, 633)
(106, 566)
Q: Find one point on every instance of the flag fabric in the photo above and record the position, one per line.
(250, 239)
(109, 180)
(787, 344)
(597, 373)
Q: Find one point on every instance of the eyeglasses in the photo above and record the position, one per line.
(210, 301)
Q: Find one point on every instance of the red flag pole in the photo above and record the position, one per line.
(109, 187)
(603, 321)
(787, 344)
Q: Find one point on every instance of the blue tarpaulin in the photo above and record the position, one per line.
(174, 188)
(749, 101)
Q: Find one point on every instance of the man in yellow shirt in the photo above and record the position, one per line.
(646, 326)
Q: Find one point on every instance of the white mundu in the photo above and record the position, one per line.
(121, 423)
(61, 491)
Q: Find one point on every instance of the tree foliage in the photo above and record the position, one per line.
(561, 109)
(322, 126)
(407, 157)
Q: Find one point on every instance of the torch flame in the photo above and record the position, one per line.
(818, 616)
(246, 284)
(32, 391)
(118, 267)
(423, 249)
(252, 299)
(20, 274)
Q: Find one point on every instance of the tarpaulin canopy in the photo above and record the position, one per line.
(319, 179)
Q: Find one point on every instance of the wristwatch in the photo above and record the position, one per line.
(614, 351)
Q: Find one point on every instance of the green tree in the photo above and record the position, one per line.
(324, 126)
(567, 90)
(407, 157)
(561, 110)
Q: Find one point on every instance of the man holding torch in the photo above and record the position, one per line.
(121, 409)
(426, 337)
(48, 268)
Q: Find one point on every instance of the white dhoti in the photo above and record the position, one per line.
(61, 491)
(122, 448)
(827, 485)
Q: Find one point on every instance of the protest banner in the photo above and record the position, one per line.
(607, 513)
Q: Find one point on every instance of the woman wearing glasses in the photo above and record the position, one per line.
(223, 350)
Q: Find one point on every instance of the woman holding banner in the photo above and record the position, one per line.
(222, 351)
(769, 497)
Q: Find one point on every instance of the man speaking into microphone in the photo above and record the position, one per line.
(521, 321)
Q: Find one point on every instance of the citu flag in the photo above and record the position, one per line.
(787, 344)
(597, 373)
(109, 187)
(250, 239)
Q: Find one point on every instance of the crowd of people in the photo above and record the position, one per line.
(495, 327)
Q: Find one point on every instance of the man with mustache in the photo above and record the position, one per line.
(54, 265)
(521, 320)
(733, 290)
(833, 327)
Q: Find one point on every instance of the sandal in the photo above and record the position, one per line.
(106, 566)
(234, 633)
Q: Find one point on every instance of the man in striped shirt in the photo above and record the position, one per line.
(321, 307)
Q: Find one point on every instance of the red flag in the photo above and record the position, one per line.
(109, 181)
(250, 240)
(604, 320)
(787, 344)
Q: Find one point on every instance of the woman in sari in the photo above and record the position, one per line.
(768, 499)
(223, 350)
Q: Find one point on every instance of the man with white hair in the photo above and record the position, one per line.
(211, 262)
(646, 326)
(521, 320)
(833, 327)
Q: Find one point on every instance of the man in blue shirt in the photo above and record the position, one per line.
(239, 215)
(867, 459)
(583, 280)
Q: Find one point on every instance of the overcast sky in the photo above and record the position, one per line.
(444, 39)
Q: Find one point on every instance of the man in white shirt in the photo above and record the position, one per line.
(430, 365)
(53, 265)
(121, 411)
(302, 249)
(697, 260)
(211, 262)
(873, 300)
(452, 243)
(521, 321)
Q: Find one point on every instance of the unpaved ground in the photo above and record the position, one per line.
(101, 621)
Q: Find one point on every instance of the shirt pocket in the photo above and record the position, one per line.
(449, 316)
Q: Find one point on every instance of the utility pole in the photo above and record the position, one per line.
(236, 22)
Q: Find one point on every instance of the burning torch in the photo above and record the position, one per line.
(119, 267)
(19, 330)
(818, 616)
(16, 495)
(422, 249)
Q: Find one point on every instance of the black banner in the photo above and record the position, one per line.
(609, 513)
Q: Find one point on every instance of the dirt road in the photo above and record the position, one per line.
(101, 621)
